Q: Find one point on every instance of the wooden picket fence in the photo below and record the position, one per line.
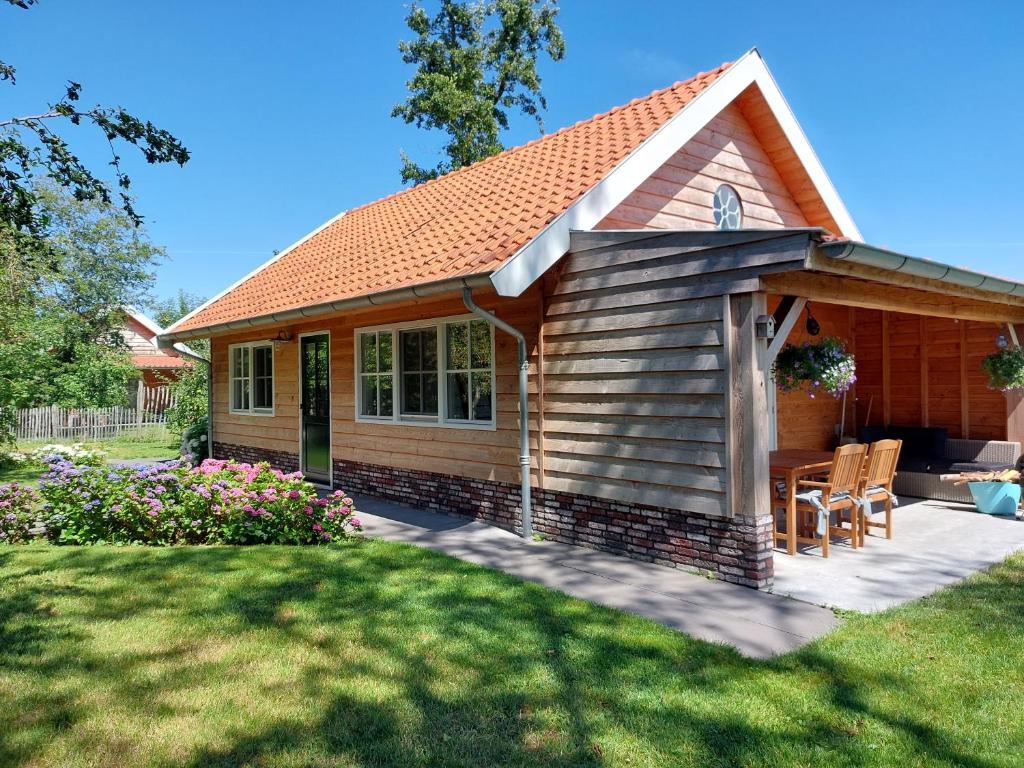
(81, 424)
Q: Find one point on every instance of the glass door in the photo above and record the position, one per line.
(316, 407)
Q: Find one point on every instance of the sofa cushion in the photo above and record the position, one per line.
(909, 463)
(978, 466)
(868, 435)
(923, 442)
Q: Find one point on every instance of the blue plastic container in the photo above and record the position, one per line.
(996, 498)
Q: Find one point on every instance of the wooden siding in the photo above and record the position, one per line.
(636, 365)
(934, 373)
(679, 194)
(811, 423)
(474, 453)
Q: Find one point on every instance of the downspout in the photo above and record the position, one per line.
(186, 352)
(524, 406)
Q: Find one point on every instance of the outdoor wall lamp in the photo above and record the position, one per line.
(813, 326)
(283, 337)
(1002, 341)
(764, 327)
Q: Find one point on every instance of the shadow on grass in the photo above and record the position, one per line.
(380, 654)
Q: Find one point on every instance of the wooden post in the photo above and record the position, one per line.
(923, 343)
(965, 406)
(746, 406)
(140, 403)
(886, 372)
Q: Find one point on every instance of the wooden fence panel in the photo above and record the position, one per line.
(86, 424)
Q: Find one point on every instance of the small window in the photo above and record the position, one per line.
(376, 364)
(727, 207)
(419, 371)
(252, 378)
(468, 372)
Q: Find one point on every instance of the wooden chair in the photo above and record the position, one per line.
(877, 484)
(838, 494)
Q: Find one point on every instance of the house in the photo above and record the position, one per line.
(573, 337)
(156, 365)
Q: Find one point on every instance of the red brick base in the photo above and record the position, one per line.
(737, 550)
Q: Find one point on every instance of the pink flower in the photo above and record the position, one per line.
(355, 522)
(152, 513)
(293, 494)
(347, 501)
(329, 515)
(308, 510)
(317, 527)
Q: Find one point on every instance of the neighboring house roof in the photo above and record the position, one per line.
(141, 334)
(508, 216)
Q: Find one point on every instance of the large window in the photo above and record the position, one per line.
(376, 380)
(443, 373)
(251, 369)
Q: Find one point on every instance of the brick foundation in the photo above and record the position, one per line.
(286, 462)
(737, 550)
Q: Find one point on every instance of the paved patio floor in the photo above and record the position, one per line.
(758, 624)
(934, 544)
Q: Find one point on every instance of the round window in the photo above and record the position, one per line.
(728, 210)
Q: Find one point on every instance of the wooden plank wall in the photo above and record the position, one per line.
(635, 369)
(936, 377)
(679, 194)
(476, 453)
(810, 423)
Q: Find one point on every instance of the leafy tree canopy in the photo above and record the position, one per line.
(30, 145)
(476, 61)
(170, 310)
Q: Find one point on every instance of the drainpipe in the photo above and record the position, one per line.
(186, 352)
(524, 407)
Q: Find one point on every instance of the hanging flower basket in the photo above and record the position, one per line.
(820, 365)
(1005, 369)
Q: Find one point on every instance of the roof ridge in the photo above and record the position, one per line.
(518, 147)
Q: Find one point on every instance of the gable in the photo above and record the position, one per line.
(678, 195)
(137, 337)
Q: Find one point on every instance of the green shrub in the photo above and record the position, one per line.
(1005, 369)
(19, 514)
(174, 503)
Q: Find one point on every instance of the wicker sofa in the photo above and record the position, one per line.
(928, 452)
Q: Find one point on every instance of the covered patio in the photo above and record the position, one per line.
(918, 331)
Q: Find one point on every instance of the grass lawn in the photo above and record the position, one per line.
(151, 444)
(374, 653)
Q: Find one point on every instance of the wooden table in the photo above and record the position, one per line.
(789, 466)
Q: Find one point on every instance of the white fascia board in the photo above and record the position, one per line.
(537, 256)
(256, 271)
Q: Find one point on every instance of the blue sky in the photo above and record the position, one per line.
(914, 108)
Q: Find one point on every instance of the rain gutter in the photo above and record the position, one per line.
(524, 408)
(880, 258)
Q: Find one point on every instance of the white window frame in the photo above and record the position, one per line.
(252, 410)
(441, 420)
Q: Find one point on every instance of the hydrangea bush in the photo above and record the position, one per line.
(823, 365)
(76, 453)
(174, 503)
(19, 514)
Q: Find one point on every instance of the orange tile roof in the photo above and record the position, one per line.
(466, 222)
(158, 361)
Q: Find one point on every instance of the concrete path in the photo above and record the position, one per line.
(934, 544)
(758, 624)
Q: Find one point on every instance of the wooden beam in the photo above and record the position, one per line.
(540, 386)
(863, 294)
(784, 323)
(886, 372)
(816, 261)
(965, 405)
(923, 344)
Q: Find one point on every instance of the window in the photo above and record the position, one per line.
(442, 375)
(727, 207)
(376, 378)
(252, 378)
(468, 371)
(419, 371)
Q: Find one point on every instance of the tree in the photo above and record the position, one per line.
(168, 311)
(475, 62)
(30, 144)
(60, 341)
